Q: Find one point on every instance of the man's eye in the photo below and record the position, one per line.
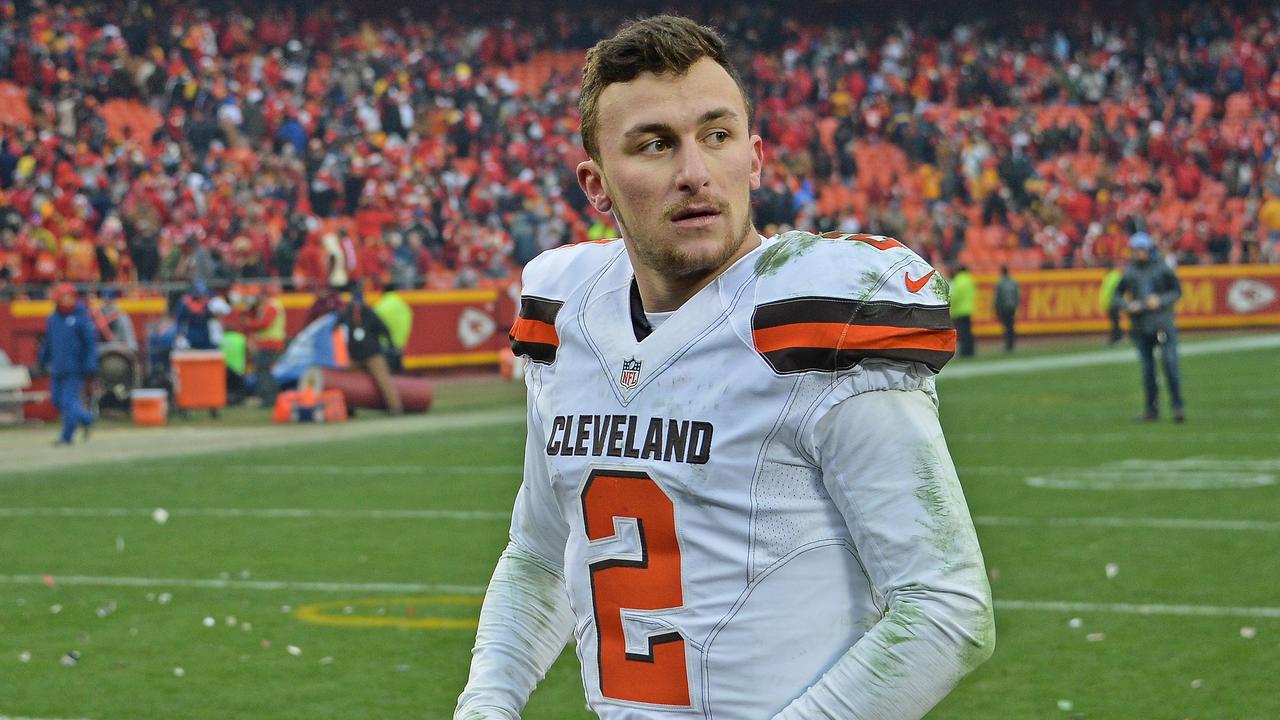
(656, 145)
(718, 137)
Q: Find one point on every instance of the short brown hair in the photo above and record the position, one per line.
(661, 44)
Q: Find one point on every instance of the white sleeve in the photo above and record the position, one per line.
(526, 620)
(886, 466)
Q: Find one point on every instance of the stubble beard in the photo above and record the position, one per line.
(671, 259)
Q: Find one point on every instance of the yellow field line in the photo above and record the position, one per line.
(321, 613)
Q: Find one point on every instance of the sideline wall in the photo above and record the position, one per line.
(451, 328)
(1061, 302)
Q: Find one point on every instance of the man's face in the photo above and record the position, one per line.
(677, 167)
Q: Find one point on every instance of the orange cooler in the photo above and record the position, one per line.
(149, 406)
(199, 379)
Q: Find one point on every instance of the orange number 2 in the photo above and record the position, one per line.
(651, 583)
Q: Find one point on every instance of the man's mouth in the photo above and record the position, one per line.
(696, 216)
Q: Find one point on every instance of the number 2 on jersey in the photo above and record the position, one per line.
(651, 583)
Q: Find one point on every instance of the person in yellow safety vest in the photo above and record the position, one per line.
(964, 295)
(263, 321)
(601, 229)
(398, 317)
(1105, 296)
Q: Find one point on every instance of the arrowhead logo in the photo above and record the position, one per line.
(916, 286)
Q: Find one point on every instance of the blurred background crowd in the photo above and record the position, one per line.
(170, 141)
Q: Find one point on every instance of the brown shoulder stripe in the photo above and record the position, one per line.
(830, 334)
(534, 332)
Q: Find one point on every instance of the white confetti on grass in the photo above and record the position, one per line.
(1248, 633)
(160, 515)
(294, 650)
(1112, 570)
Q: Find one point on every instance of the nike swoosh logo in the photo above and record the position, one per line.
(916, 286)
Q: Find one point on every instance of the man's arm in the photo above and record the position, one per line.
(253, 322)
(1118, 294)
(46, 346)
(1172, 290)
(89, 341)
(526, 620)
(887, 468)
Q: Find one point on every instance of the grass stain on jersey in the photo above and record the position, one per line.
(979, 649)
(947, 534)
(933, 498)
(791, 246)
(895, 628)
(940, 287)
(870, 282)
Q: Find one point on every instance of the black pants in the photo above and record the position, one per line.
(1146, 344)
(1007, 320)
(964, 335)
(265, 384)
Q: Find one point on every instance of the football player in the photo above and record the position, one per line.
(737, 498)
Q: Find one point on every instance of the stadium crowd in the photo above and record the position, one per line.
(167, 141)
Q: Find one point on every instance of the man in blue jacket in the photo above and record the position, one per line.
(1147, 291)
(70, 353)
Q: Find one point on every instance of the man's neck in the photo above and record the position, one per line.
(662, 293)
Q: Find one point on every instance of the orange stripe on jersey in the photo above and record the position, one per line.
(526, 330)
(840, 336)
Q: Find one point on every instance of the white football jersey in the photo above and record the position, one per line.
(675, 480)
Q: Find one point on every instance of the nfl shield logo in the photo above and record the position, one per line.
(630, 374)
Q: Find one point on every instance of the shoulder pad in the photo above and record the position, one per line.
(558, 272)
(848, 265)
(827, 302)
(547, 281)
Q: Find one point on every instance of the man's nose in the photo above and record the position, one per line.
(692, 174)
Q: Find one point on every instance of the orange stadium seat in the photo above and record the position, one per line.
(130, 118)
(14, 111)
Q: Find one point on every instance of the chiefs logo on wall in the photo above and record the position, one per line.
(474, 327)
(1246, 296)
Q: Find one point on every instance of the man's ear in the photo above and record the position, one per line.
(592, 182)
(757, 161)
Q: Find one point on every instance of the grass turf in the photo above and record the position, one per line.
(258, 573)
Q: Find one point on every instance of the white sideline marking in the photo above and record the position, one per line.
(265, 513)
(20, 453)
(500, 515)
(217, 584)
(1123, 522)
(1138, 480)
(1103, 357)
(1193, 473)
(416, 470)
(1136, 609)
(433, 588)
(24, 717)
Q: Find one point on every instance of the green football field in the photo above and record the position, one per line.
(1136, 567)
